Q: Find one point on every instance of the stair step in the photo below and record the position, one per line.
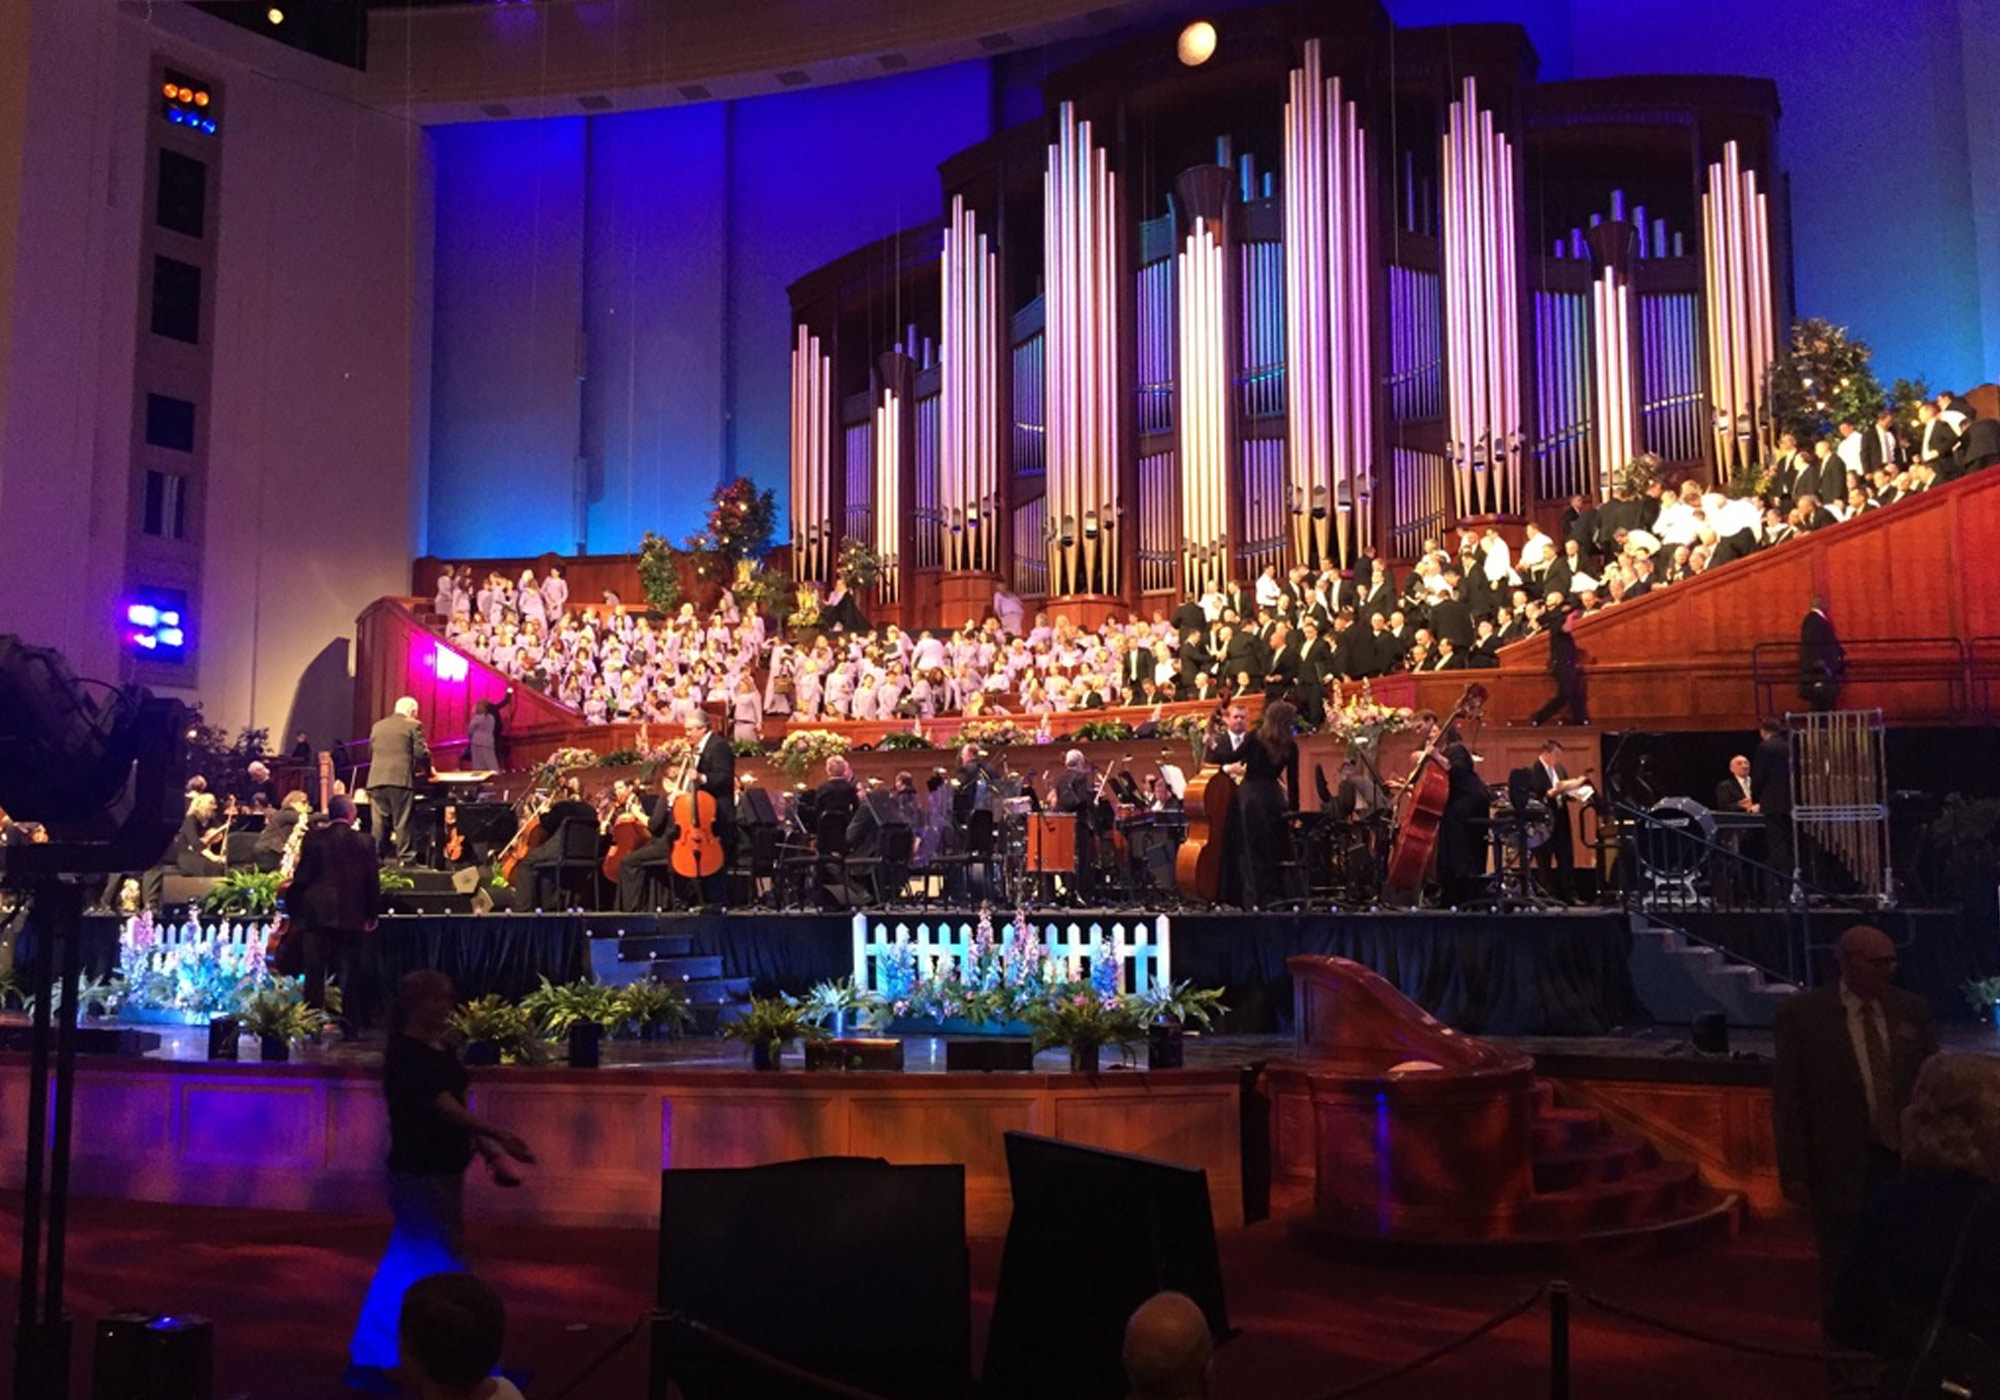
(1657, 1193)
(688, 968)
(1609, 1159)
(644, 947)
(1563, 1129)
(717, 991)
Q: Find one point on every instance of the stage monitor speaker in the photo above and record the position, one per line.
(764, 1254)
(1710, 1033)
(1065, 1293)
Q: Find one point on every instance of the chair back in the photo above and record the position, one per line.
(831, 834)
(578, 840)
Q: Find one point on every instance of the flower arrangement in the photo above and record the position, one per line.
(803, 749)
(992, 733)
(1362, 720)
(806, 605)
(904, 739)
(205, 972)
(1103, 730)
(565, 759)
(1000, 978)
(1190, 729)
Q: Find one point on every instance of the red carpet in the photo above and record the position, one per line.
(283, 1290)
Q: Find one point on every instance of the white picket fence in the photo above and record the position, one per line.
(192, 933)
(1140, 942)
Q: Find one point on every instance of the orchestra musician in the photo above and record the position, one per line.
(837, 796)
(269, 851)
(1230, 751)
(1461, 855)
(1264, 798)
(715, 774)
(1547, 782)
(651, 854)
(200, 848)
(542, 887)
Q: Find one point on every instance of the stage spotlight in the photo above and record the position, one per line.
(1197, 43)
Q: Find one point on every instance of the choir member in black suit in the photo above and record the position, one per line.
(1880, 447)
(1566, 668)
(1822, 659)
(1937, 441)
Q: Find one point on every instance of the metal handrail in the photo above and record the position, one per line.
(1900, 658)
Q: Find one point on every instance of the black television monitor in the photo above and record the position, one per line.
(1093, 1235)
(849, 1268)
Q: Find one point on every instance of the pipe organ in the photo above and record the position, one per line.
(1736, 223)
(1326, 294)
(969, 396)
(1330, 441)
(1081, 241)
(1482, 301)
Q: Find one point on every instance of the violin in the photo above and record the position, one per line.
(526, 839)
(454, 839)
(1420, 808)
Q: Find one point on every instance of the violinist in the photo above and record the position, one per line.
(542, 888)
(200, 849)
(653, 853)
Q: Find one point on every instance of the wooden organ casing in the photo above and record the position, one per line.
(1338, 289)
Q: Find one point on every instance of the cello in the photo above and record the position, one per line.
(1420, 808)
(629, 829)
(1198, 862)
(697, 850)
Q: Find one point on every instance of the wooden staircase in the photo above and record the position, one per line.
(1420, 1144)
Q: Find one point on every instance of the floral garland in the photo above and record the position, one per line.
(997, 732)
(804, 748)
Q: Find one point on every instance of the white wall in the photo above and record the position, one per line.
(318, 421)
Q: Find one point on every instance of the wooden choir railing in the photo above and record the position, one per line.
(1912, 591)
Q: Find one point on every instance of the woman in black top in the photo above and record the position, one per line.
(198, 850)
(1270, 774)
(432, 1140)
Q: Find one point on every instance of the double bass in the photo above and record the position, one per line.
(1420, 808)
(1198, 863)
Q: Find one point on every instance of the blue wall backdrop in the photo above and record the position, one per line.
(658, 246)
(666, 240)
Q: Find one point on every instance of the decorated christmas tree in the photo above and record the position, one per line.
(1823, 380)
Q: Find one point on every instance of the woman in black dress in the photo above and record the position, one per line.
(1270, 776)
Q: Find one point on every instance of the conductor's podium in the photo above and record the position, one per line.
(1418, 1141)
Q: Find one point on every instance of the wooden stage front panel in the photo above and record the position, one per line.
(314, 1136)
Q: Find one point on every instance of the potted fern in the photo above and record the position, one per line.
(769, 1024)
(840, 1006)
(582, 1011)
(650, 1005)
(278, 1018)
(1083, 1020)
(242, 894)
(495, 1030)
(1167, 1009)
(1982, 994)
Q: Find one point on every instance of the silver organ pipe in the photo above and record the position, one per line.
(1741, 333)
(1482, 321)
(888, 501)
(1330, 398)
(811, 453)
(1203, 418)
(1080, 246)
(969, 419)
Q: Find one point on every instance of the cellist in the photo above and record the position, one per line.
(715, 774)
(1230, 751)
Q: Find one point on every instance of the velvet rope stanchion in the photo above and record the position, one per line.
(1438, 1352)
(1815, 1355)
(776, 1365)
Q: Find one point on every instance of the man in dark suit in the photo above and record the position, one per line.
(281, 827)
(333, 899)
(715, 774)
(1317, 665)
(397, 758)
(1451, 619)
(1937, 441)
(1847, 1059)
(1879, 447)
(1826, 478)
(1566, 668)
(1771, 793)
(1732, 794)
(1785, 469)
(1546, 781)
(1822, 659)
(1979, 445)
(1189, 617)
(837, 796)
